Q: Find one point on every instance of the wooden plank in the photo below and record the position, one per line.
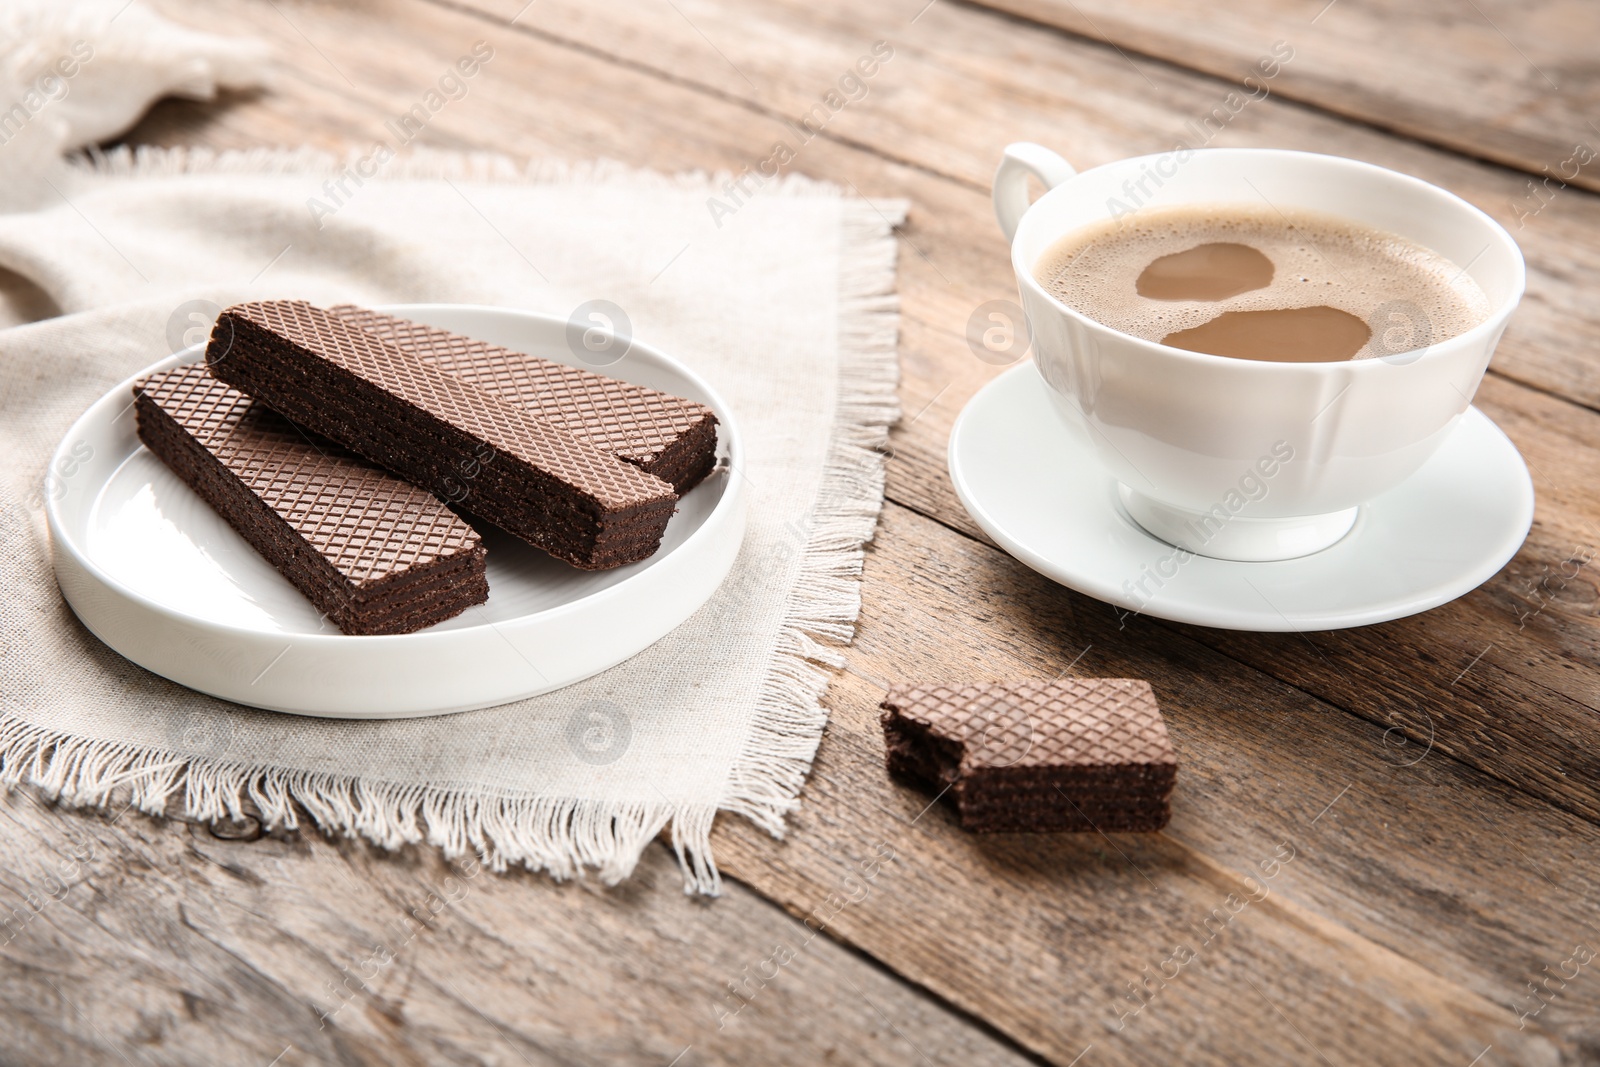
(1397, 65)
(1525, 735)
(953, 256)
(1422, 899)
(1505, 675)
(1533, 86)
(1503, 679)
(1356, 923)
(954, 260)
(132, 941)
(1526, 710)
(964, 83)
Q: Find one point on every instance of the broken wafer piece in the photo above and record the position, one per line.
(376, 554)
(1077, 754)
(668, 436)
(459, 441)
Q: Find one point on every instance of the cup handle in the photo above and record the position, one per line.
(1011, 180)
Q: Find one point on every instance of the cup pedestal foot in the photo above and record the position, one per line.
(1241, 537)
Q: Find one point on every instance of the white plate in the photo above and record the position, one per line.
(1037, 490)
(159, 577)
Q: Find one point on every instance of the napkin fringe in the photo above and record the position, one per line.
(563, 836)
(557, 835)
(425, 164)
(826, 601)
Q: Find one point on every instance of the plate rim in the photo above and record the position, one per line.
(1227, 618)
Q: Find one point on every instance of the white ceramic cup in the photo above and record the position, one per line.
(1241, 459)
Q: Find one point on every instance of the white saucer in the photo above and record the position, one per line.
(1037, 490)
(158, 576)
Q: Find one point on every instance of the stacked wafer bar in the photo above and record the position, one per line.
(1075, 754)
(377, 554)
(449, 436)
(668, 436)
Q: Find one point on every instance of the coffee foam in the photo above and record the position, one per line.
(1410, 295)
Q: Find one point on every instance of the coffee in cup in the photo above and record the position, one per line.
(1177, 429)
(1256, 282)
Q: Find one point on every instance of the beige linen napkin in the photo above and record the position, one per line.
(784, 304)
(77, 72)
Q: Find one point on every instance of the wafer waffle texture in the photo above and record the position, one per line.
(533, 479)
(1070, 754)
(669, 436)
(375, 553)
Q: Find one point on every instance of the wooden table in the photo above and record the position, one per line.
(1429, 788)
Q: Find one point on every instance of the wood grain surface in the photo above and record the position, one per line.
(1390, 836)
(1398, 65)
(1384, 842)
(134, 941)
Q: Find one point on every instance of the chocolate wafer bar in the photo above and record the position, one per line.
(456, 439)
(668, 436)
(1077, 754)
(377, 554)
